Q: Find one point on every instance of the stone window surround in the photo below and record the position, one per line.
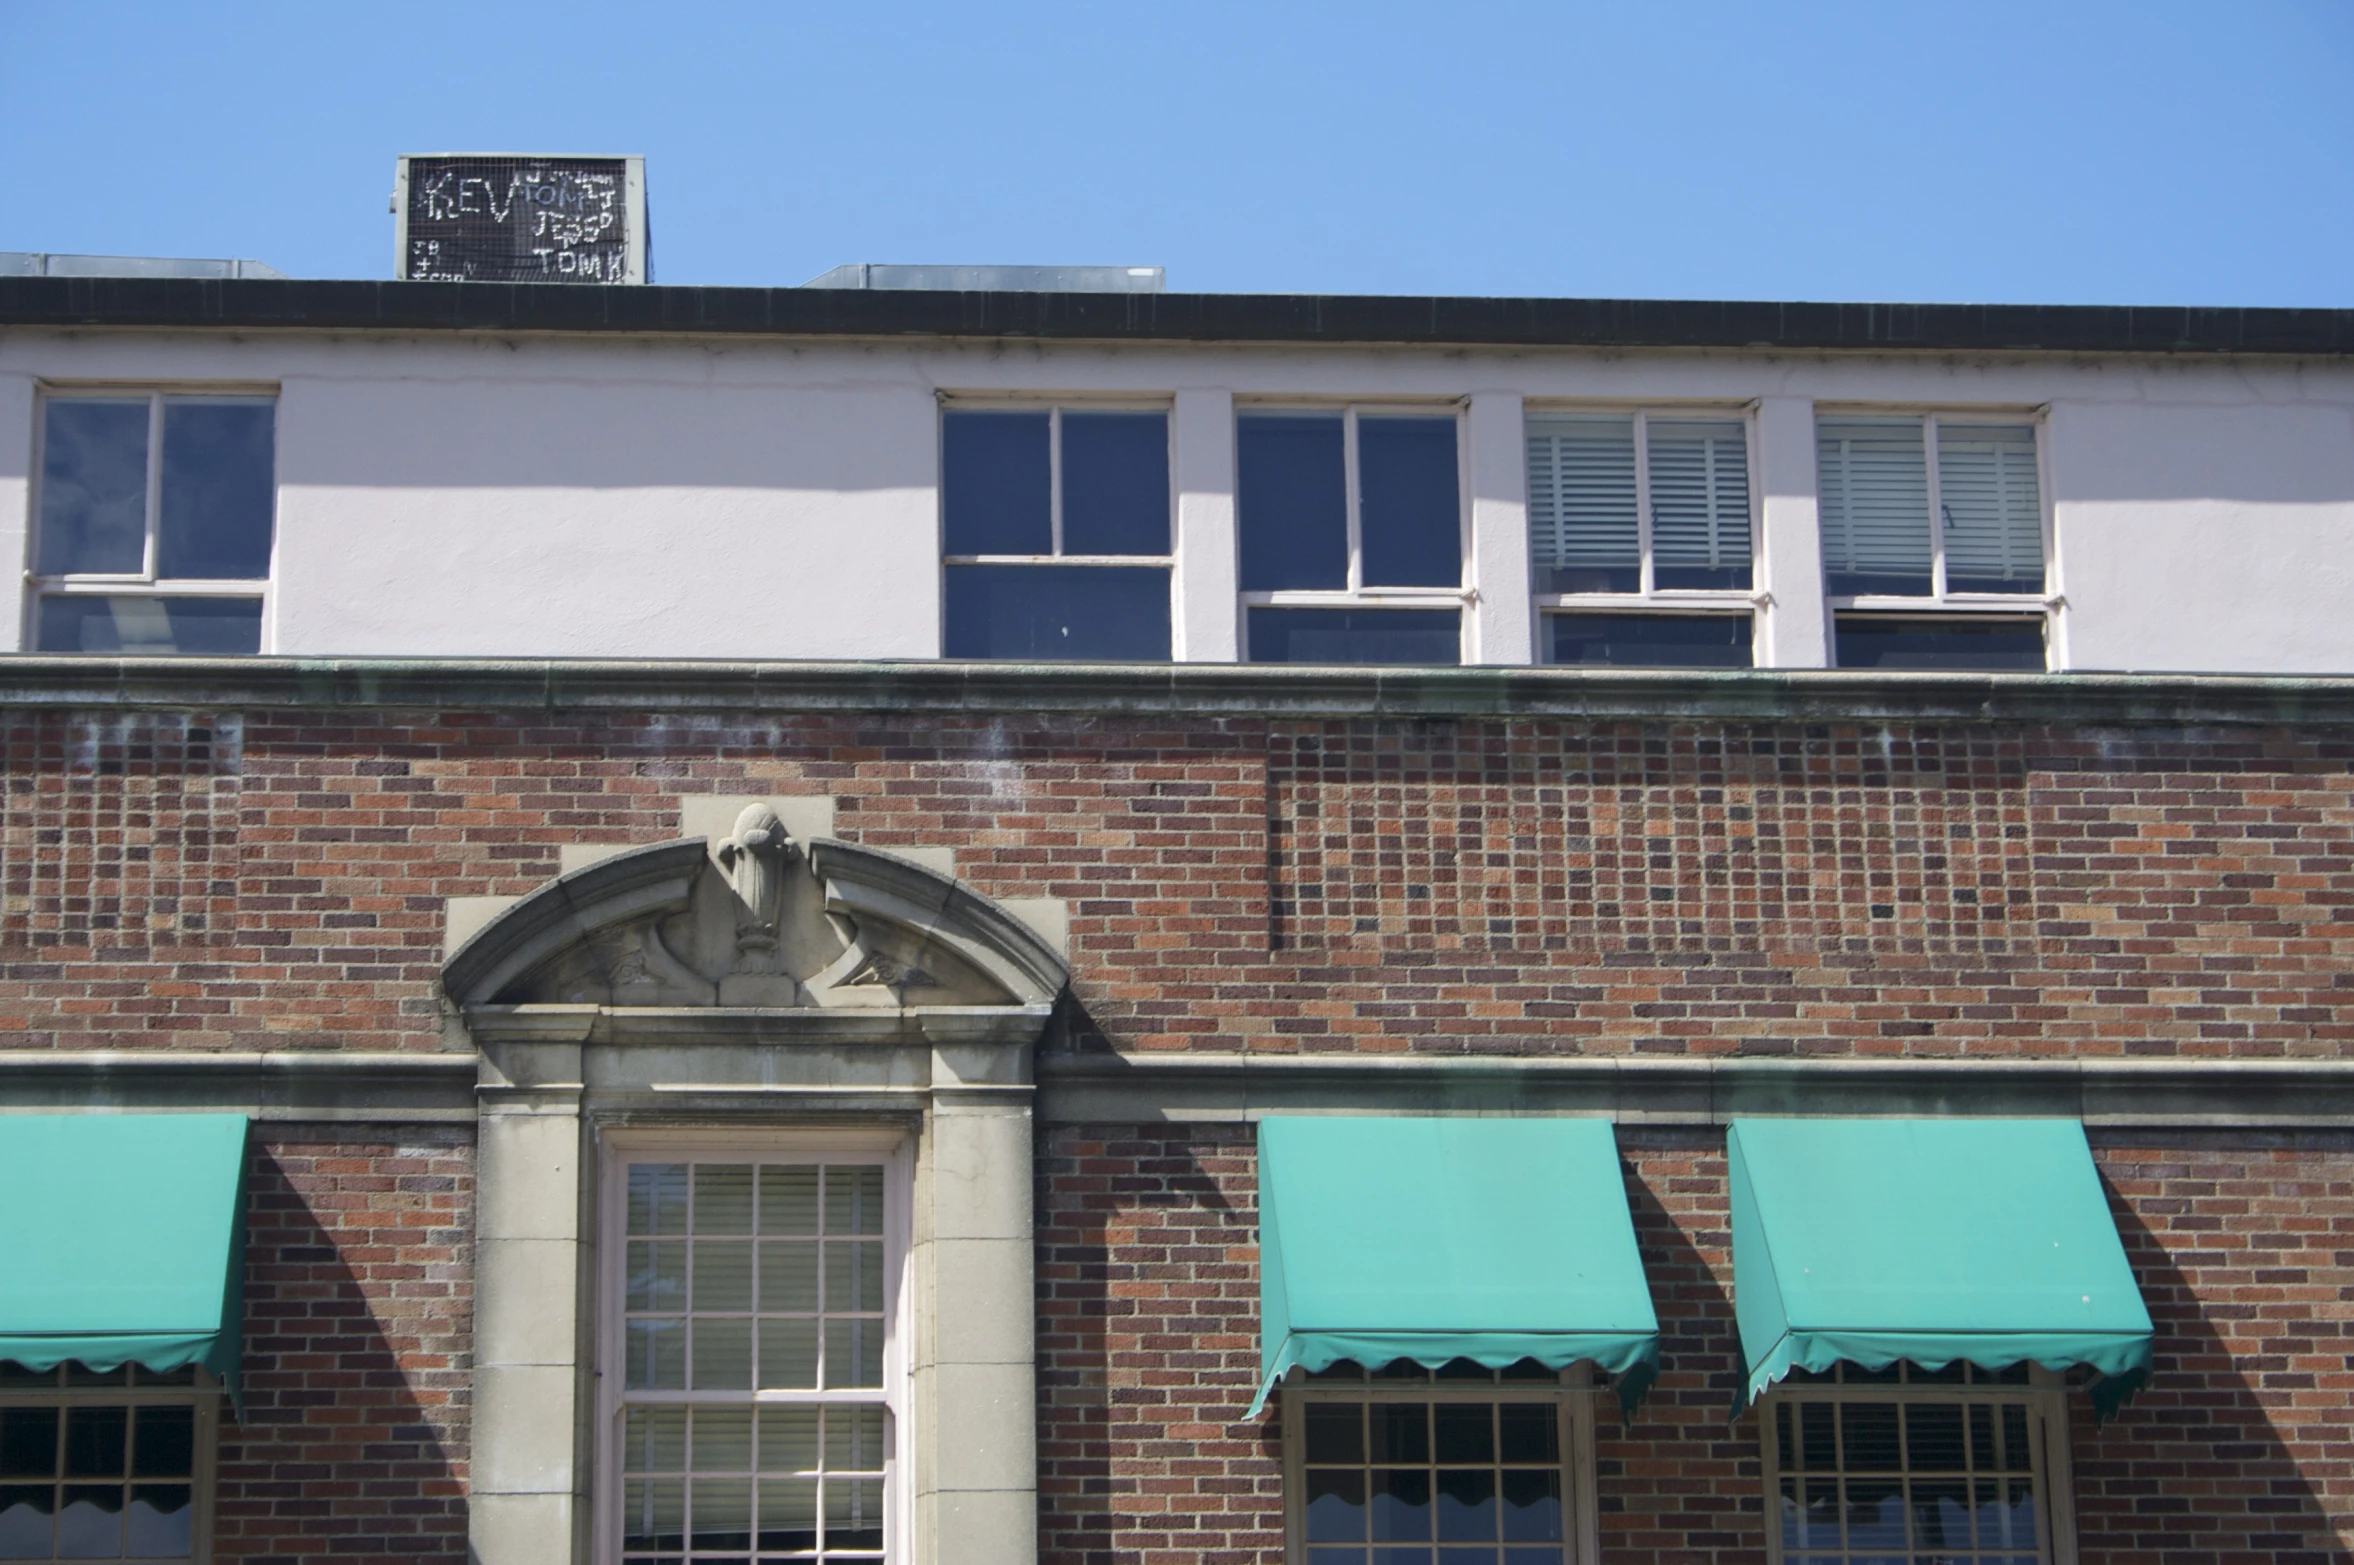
(560, 1084)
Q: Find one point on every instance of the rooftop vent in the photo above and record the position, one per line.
(513, 218)
(39, 263)
(996, 279)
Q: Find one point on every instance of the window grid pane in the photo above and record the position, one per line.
(742, 1276)
(1992, 507)
(1944, 1479)
(1458, 1482)
(1873, 478)
(1699, 503)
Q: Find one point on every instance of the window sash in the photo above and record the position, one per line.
(1640, 496)
(1057, 554)
(145, 576)
(1954, 503)
(204, 1398)
(1354, 589)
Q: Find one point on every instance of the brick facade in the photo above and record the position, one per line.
(276, 879)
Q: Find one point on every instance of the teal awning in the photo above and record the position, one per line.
(123, 1238)
(1494, 1240)
(1872, 1240)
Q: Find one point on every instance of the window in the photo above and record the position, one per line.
(1938, 512)
(1055, 533)
(1351, 528)
(756, 1360)
(1466, 1467)
(155, 523)
(1611, 535)
(1956, 1465)
(1986, 645)
(114, 1466)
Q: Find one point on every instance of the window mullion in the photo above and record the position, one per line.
(1354, 493)
(1054, 477)
(153, 552)
(1936, 509)
(1644, 582)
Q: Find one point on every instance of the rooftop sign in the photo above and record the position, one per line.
(503, 218)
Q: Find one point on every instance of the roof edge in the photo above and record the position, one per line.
(309, 304)
(1188, 690)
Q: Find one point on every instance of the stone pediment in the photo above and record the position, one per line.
(755, 920)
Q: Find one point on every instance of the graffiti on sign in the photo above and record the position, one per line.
(518, 220)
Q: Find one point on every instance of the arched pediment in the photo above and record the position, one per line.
(755, 920)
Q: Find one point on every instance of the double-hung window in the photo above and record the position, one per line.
(106, 1466)
(1352, 535)
(1055, 532)
(154, 522)
(1640, 530)
(1933, 540)
(1465, 1467)
(1959, 1466)
(753, 1366)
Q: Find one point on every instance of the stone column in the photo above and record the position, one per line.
(1797, 628)
(1503, 620)
(1207, 611)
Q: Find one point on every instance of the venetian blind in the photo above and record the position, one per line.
(1699, 496)
(1993, 509)
(1873, 478)
(1581, 493)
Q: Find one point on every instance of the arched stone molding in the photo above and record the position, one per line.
(756, 986)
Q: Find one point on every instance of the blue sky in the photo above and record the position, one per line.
(2062, 152)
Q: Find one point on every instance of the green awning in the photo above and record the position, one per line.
(123, 1235)
(1493, 1240)
(1873, 1240)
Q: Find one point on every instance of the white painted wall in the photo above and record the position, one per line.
(447, 495)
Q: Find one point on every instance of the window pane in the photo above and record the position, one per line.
(1058, 613)
(788, 1513)
(854, 1439)
(854, 1199)
(1292, 501)
(720, 1514)
(90, 1523)
(1993, 508)
(1336, 1505)
(28, 1442)
(93, 487)
(219, 489)
(159, 1521)
(164, 1443)
(1873, 479)
(658, 1198)
(788, 1200)
(147, 626)
(1650, 641)
(97, 1439)
(1991, 646)
(788, 1439)
(994, 477)
(1409, 516)
(723, 1198)
(1581, 505)
(1115, 483)
(1401, 636)
(1699, 503)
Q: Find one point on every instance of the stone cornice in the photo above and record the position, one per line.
(586, 686)
(2268, 1094)
(304, 1085)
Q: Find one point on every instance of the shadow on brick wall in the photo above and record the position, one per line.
(338, 1456)
(2197, 1467)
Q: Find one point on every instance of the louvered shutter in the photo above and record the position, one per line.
(1872, 475)
(1581, 505)
(1992, 507)
(1699, 503)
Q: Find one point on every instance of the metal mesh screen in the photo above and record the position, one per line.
(522, 220)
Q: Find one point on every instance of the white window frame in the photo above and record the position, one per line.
(1357, 595)
(205, 1395)
(2045, 1397)
(2013, 605)
(895, 1155)
(1647, 597)
(143, 583)
(1573, 1395)
(1055, 408)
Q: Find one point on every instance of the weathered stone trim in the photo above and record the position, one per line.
(317, 1086)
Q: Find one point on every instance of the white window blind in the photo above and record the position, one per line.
(1873, 478)
(1581, 494)
(1699, 496)
(1992, 507)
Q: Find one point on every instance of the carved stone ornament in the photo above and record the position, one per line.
(758, 921)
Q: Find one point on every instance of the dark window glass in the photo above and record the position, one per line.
(142, 626)
(96, 1439)
(94, 488)
(1335, 1432)
(1115, 483)
(219, 480)
(1650, 640)
(164, 1443)
(27, 1523)
(1292, 501)
(1047, 613)
(1984, 645)
(1409, 521)
(1403, 636)
(28, 1442)
(996, 483)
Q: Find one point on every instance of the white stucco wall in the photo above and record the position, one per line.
(739, 498)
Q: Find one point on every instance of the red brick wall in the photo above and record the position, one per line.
(274, 880)
(2241, 1450)
(358, 1308)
